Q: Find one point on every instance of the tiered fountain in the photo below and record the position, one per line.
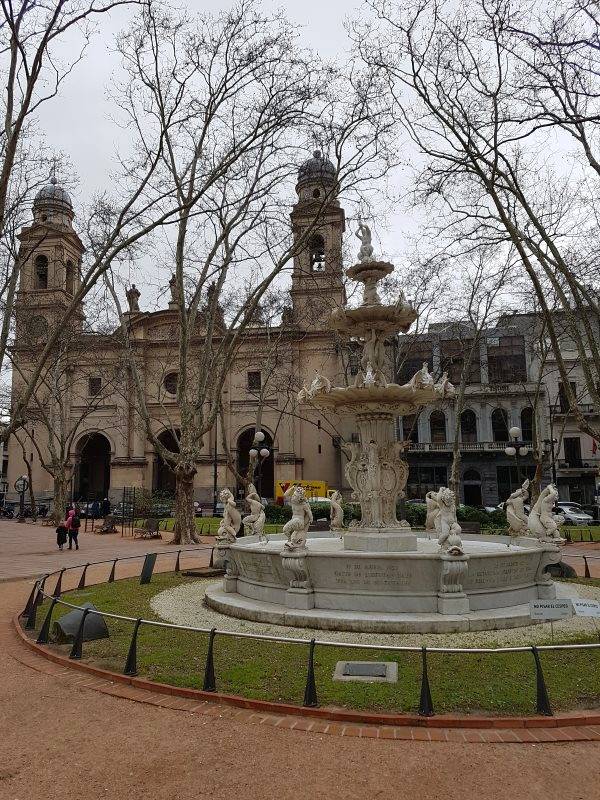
(380, 575)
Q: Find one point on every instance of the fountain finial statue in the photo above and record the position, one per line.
(366, 248)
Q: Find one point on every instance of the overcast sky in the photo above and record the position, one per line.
(79, 122)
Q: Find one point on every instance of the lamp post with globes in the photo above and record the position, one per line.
(517, 448)
(260, 454)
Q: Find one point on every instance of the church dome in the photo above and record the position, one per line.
(53, 195)
(318, 168)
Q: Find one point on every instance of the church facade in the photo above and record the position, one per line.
(108, 449)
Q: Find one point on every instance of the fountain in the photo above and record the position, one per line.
(381, 575)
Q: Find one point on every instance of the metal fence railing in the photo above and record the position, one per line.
(39, 593)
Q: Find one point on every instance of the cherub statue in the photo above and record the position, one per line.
(366, 248)
(319, 385)
(515, 512)
(444, 388)
(433, 510)
(373, 351)
(421, 379)
(133, 296)
(232, 519)
(337, 512)
(296, 529)
(542, 522)
(254, 523)
(446, 525)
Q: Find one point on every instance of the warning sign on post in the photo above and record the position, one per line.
(586, 608)
(550, 609)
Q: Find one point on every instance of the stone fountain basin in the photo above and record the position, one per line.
(394, 592)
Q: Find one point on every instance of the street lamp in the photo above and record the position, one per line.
(260, 455)
(516, 448)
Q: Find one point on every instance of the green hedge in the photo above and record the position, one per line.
(414, 513)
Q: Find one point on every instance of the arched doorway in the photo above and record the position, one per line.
(264, 472)
(472, 488)
(164, 477)
(93, 476)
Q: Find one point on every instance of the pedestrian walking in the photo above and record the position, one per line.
(105, 507)
(95, 509)
(72, 524)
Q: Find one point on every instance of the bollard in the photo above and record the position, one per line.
(425, 703)
(78, 640)
(211, 563)
(310, 691)
(81, 584)
(209, 684)
(44, 633)
(131, 663)
(147, 568)
(111, 577)
(586, 574)
(542, 704)
(177, 567)
(58, 587)
(27, 610)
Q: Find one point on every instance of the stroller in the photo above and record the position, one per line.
(61, 536)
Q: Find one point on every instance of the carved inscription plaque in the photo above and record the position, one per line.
(373, 575)
(500, 572)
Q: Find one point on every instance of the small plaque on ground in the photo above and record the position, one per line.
(367, 671)
(362, 669)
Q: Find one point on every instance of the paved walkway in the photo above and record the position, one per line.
(67, 734)
(28, 550)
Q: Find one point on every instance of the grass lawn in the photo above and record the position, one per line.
(496, 683)
(206, 525)
(587, 533)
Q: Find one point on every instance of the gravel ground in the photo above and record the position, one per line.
(184, 605)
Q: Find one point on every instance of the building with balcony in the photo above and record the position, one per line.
(499, 395)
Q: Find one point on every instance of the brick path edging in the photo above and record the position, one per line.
(332, 715)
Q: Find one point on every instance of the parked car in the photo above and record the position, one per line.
(573, 514)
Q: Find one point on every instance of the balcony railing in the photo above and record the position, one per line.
(448, 446)
(585, 408)
(579, 463)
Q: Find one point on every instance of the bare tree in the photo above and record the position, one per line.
(234, 96)
(483, 89)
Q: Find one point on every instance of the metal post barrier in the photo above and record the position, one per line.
(27, 610)
(568, 537)
(131, 663)
(211, 563)
(111, 577)
(30, 624)
(542, 703)
(147, 568)
(45, 629)
(586, 574)
(425, 702)
(177, 567)
(310, 690)
(78, 640)
(210, 684)
(81, 584)
(58, 587)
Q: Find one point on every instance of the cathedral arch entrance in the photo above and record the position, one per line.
(264, 472)
(164, 477)
(93, 475)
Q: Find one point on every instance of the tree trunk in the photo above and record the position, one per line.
(185, 522)
(59, 510)
(32, 503)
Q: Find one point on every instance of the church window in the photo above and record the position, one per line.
(254, 381)
(70, 271)
(319, 448)
(170, 382)
(41, 272)
(317, 253)
(317, 193)
(94, 386)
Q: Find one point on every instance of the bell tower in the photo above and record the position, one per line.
(317, 277)
(50, 258)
